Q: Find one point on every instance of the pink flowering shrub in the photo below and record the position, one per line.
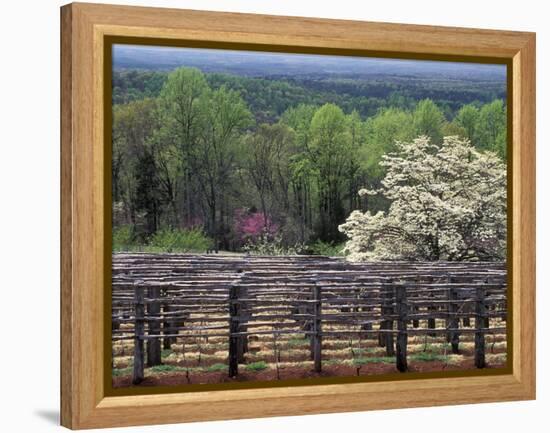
(251, 226)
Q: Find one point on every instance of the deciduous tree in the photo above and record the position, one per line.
(448, 202)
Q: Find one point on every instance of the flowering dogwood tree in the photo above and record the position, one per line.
(448, 202)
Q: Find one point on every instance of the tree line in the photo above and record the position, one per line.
(269, 96)
(196, 156)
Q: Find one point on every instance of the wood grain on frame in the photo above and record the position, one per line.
(84, 28)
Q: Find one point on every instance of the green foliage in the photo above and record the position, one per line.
(166, 368)
(485, 127)
(217, 367)
(428, 120)
(182, 89)
(117, 372)
(374, 360)
(256, 366)
(134, 176)
(166, 353)
(266, 161)
(382, 131)
(299, 119)
(327, 127)
(123, 238)
(428, 356)
(437, 347)
(295, 342)
(331, 154)
(134, 85)
(491, 128)
(358, 351)
(269, 98)
(182, 241)
(467, 118)
(192, 149)
(327, 248)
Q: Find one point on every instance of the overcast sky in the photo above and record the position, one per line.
(264, 63)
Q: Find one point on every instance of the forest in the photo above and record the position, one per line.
(215, 161)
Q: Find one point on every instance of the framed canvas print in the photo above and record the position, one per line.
(308, 215)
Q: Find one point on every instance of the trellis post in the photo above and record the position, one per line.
(454, 335)
(234, 311)
(431, 323)
(414, 309)
(479, 357)
(387, 323)
(242, 345)
(401, 343)
(139, 326)
(153, 325)
(317, 338)
(168, 324)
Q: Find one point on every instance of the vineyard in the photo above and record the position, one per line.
(188, 319)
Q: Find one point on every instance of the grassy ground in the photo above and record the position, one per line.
(199, 359)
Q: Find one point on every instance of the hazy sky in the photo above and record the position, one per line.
(249, 62)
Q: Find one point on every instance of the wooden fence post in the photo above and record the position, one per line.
(414, 309)
(244, 316)
(486, 322)
(448, 312)
(153, 327)
(468, 308)
(308, 327)
(139, 327)
(382, 324)
(454, 336)
(115, 324)
(479, 334)
(401, 343)
(168, 327)
(169, 324)
(431, 320)
(234, 310)
(317, 338)
(387, 324)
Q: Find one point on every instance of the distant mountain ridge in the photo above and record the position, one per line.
(261, 64)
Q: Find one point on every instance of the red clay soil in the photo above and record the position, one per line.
(290, 373)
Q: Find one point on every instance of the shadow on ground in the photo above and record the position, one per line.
(50, 415)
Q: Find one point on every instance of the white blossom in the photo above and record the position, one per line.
(448, 202)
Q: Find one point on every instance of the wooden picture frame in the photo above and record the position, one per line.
(84, 30)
